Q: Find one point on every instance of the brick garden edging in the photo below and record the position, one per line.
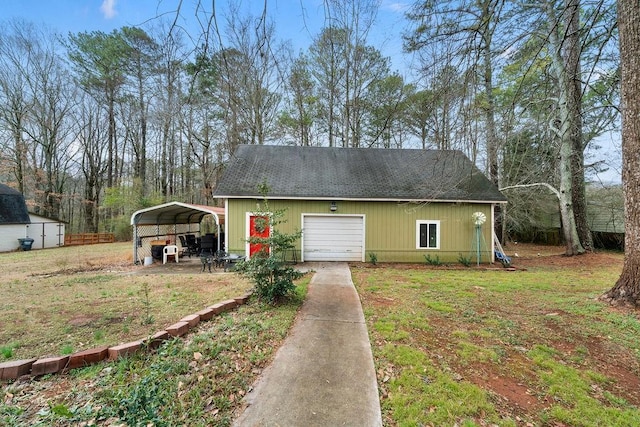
(53, 365)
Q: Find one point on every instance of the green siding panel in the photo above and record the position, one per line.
(390, 227)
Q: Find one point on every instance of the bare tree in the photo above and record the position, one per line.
(470, 27)
(14, 103)
(358, 62)
(203, 124)
(251, 80)
(169, 93)
(50, 100)
(93, 139)
(564, 54)
(345, 77)
(325, 55)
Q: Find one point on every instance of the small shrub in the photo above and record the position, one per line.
(432, 261)
(373, 258)
(61, 410)
(147, 319)
(466, 261)
(272, 277)
(6, 351)
(150, 393)
(273, 281)
(98, 335)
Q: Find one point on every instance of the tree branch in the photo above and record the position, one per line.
(537, 184)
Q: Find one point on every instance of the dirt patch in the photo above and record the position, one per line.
(523, 256)
(511, 391)
(79, 321)
(619, 365)
(381, 302)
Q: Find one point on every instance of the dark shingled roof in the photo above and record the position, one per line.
(13, 210)
(355, 173)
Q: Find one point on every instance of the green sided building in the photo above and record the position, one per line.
(400, 205)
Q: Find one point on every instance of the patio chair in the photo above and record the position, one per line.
(207, 245)
(188, 248)
(218, 258)
(168, 251)
(206, 259)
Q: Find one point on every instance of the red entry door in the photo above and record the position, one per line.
(258, 227)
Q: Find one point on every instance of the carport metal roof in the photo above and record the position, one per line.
(176, 213)
(172, 213)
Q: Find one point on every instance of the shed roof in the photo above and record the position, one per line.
(176, 213)
(294, 172)
(13, 209)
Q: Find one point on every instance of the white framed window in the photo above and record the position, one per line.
(427, 234)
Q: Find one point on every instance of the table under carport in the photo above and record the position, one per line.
(167, 222)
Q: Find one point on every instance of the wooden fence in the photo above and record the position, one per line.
(88, 238)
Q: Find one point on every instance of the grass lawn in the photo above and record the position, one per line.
(64, 297)
(452, 345)
(467, 346)
(59, 301)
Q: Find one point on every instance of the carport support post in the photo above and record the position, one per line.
(218, 224)
(135, 243)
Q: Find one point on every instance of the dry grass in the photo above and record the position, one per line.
(59, 301)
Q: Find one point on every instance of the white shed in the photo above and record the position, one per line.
(46, 232)
(14, 218)
(17, 223)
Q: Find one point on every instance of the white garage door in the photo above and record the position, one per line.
(333, 238)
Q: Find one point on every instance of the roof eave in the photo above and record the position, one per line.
(203, 210)
(362, 199)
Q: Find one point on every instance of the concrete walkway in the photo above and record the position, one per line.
(323, 375)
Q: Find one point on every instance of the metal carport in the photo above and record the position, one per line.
(167, 221)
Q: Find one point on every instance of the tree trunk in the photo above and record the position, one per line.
(489, 113)
(112, 137)
(627, 288)
(565, 130)
(571, 54)
(142, 159)
(19, 151)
